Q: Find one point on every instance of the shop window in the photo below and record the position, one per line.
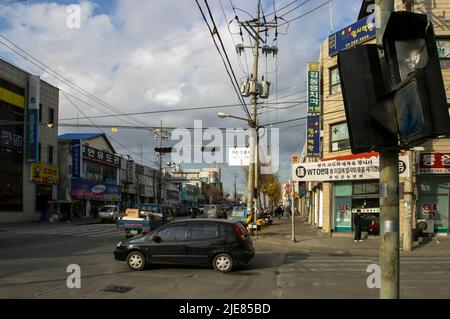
(340, 139)
(335, 81)
(343, 189)
(443, 45)
(362, 188)
(50, 154)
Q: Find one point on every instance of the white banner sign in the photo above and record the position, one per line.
(343, 170)
(239, 156)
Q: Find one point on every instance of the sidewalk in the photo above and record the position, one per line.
(311, 239)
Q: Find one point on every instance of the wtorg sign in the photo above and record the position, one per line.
(359, 32)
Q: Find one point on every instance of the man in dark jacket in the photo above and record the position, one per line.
(357, 223)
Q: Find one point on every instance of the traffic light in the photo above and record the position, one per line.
(362, 83)
(416, 83)
(398, 102)
(164, 150)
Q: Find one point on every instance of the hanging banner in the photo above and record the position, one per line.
(313, 136)
(344, 170)
(314, 88)
(76, 158)
(360, 31)
(32, 127)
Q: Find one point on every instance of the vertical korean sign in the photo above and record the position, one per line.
(313, 88)
(313, 136)
(76, 158)
(32, 127)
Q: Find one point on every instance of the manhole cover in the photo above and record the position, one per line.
(118, 289)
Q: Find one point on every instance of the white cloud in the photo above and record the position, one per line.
(152, 55)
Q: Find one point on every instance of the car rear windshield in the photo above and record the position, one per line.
(107, 209)
(149, 208)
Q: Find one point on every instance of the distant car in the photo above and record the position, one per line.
(220, 243)
(213, 211)
(109, 213)
(239, 214)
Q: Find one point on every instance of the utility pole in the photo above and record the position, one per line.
(293, 239)
(235, 193)
(253, 151)
(389, 190)
(160, 166)
(409, 188)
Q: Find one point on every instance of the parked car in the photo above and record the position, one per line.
(213, 211)
(221, 243)
(144, 218)
(109, 213)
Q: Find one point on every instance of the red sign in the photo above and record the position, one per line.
(430, 209)
(343, 209)
(434, 163)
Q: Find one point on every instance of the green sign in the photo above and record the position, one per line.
(313, 88)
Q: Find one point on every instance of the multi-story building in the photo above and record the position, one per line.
(28, 144)
(90, 172)
(332, 203)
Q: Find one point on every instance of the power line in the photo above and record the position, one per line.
(241, 100)
(99, 128)
(297, 7)
(307, 13)
(42, 66)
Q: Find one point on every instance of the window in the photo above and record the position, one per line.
(361, 188)
(335, 81)
(50, 154)
(340, 139)
(203, 231)
(51, 116)
(174, 233)
(443, 46)
(40, 113)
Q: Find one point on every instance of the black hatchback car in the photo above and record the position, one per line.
(217, 242)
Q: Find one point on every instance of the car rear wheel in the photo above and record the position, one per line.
(223, 263)
(136, 261)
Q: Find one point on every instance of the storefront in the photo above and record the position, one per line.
(348, 197)
(433, 187)
(44, 176)
(90, 195)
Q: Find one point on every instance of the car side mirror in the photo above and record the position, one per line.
(156, 239)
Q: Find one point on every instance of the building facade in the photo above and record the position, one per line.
(28, 144)
(90, 172)
(331, 204)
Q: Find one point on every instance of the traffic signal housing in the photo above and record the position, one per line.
(400, 103)
(416, 82)
(362, 83)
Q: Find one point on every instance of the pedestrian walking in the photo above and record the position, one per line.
(357, 223)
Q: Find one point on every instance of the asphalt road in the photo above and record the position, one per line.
(33, 262)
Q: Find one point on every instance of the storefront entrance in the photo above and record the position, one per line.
(433, 201)
(351, 196)
(43, 196)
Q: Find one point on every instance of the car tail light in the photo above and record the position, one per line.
(239, 232)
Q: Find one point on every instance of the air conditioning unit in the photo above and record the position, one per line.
(426, 225)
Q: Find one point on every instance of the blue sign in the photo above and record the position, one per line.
(358, 32)
(76, 158)
(32, 140)
(313, 136)
(84, 189)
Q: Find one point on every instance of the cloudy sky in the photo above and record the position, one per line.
(149, 55)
